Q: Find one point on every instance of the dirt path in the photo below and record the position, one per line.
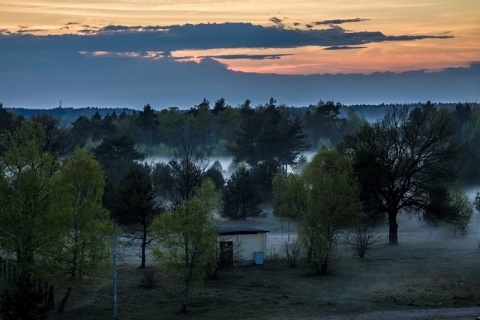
(418, 314)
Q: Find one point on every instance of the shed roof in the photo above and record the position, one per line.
(239, 230)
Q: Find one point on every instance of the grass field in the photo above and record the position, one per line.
(431, 274)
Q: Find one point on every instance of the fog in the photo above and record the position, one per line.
(411, 228)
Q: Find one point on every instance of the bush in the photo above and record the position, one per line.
(362, 236)
(292, 250)
(149, 279)
(23, 301)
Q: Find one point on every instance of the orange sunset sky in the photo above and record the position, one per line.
(458, 21)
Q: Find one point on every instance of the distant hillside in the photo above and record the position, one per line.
(371, 112)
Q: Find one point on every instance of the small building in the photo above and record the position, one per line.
(241, 246)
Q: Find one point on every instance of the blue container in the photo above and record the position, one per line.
(258, 258)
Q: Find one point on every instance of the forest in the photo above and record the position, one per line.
(336, 171)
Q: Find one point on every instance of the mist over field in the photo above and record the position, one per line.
(413, 230)
(424, 269)
(207, 160)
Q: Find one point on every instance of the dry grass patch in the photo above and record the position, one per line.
(430, 272)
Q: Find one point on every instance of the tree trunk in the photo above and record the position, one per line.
(184, 303)
(393, 227)
(323, 267)
(144, 244)
(61, 307)
(186, 291)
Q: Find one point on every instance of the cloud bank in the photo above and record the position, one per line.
(199, 37)
(121, 66)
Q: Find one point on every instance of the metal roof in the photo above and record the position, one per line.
(239, 230)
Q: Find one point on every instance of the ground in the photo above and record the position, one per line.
(431, 274)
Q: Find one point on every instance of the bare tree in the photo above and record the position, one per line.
(362, 237)
(292, 250)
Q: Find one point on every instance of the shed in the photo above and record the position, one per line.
(240, 246)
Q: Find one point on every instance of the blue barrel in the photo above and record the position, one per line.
(258, 257)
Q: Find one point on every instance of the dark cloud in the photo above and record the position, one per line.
(277, 21)
(339, 21)
(230, 35)
(71, 23)
(248, 56)
(30, 31)
(86, 31)
(131, 29)
(343, 47)
(195, 37)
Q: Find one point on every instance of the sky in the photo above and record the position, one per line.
(175, 53)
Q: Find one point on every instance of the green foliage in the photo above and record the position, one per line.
(255, 133)
(221, 149)
(9, 120)
(451, 207)
(324, 144)
(214, 173)
(186, 240)
(134, 198)
(262, 177)
(290, 195)
(163, 150)
(322, 121)
(241, 196)
(134, 204)
(177, 180)
(116, 155)
(333, 203)
(467, 121)
(52, 221)
(26, 185)
(462, 208)
(147, 123)
(354, 120)
(55, 139)
(82, 224)
(266, 136)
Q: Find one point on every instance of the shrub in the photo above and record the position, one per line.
(292, 251)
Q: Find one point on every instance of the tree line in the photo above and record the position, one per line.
(66, 183)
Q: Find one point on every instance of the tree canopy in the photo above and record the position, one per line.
(186, 239)
(332, 206)
(241, 200)
(134, 204)
(265, 135)
(401, 158)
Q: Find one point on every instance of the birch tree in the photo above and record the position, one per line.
(186, 240)
(333, 203)
(84, 226)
